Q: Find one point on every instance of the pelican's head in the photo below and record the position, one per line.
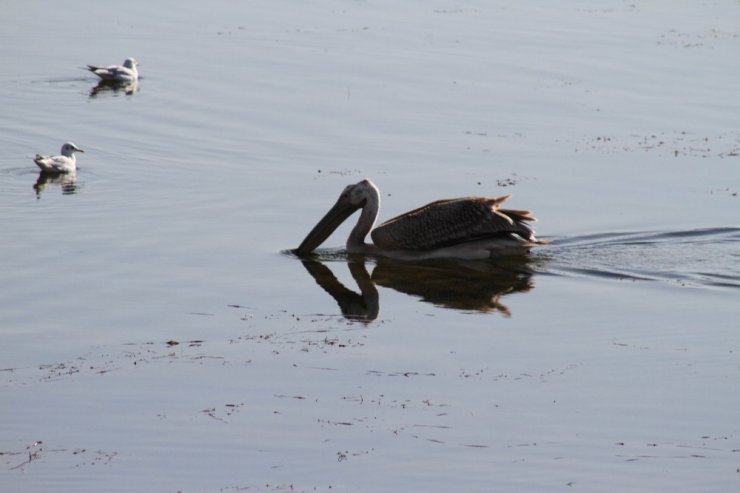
(69, 149)
(352, 198)
(359, 193)
(130, 63)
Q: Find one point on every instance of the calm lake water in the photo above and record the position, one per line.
(156, 336)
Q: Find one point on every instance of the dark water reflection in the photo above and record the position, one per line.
(362, 306)
(457, 284)
(67, 182)
(114, 88)
(703, 257)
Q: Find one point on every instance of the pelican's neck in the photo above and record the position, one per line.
(356, 241)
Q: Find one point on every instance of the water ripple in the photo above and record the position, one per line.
(708, 257)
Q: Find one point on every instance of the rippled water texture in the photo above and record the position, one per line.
(156, 333)
(698, 258)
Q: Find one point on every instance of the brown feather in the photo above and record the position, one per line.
(449, 222)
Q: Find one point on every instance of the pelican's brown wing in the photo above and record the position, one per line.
(451, 222)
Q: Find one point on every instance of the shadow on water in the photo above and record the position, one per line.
(695, 258)
(461, 285)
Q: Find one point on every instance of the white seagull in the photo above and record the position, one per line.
(66, 163)
(117, 73)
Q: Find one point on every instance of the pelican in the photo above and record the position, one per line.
(128, 72)
(66, 163)
(468, 227)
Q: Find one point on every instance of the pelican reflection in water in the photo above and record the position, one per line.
(469, 227)
(447, 283)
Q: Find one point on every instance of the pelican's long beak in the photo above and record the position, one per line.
(324, 228)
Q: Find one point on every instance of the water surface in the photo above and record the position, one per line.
(154, 334)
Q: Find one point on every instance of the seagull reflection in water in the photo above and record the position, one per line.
(474, 286)
(114, 88)
(66, 181)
